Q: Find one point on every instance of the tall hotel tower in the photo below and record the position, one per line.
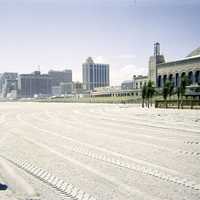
(95, 75)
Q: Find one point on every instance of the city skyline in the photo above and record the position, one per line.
(61, 35)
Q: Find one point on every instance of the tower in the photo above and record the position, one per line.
(156, 49)
(154, 60)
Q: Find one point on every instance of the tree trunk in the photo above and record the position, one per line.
(142, 102)
(151, 101)
(191, 104)
(181, 102)
(178, 103)
(165, 103)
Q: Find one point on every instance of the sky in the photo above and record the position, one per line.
(61, 34)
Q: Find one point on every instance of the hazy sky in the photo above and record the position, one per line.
(60, 34)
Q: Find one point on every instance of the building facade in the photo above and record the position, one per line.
(127, 85)
(66, 88)
(154, 60)
(58, 77)
(35, 84)
(160, 71)
(95, 75)
(56, 91)
(139, 81)
(8, 84)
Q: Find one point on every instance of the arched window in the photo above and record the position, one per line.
(177, 82)
(164, 79)
(197, 77)
(183, 74)
(159, 81)
(171, 78)
(190, 77)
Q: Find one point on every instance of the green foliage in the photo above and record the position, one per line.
(144, 91)
(167, 89)
(171, 89)
(178, 92)
(165, 93)
(197, 89)
(148, 91)
(184, 83)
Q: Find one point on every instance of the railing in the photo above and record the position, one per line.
(186, 103)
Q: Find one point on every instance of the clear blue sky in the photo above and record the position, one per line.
(59, 34)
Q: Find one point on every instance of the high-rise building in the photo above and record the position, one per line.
(34, 84)
(8, 83)
(95, 75)
(58, 77)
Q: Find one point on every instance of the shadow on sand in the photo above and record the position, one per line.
(3, 187)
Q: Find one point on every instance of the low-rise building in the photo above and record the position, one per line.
(127, 85)
(139, 81)
(66, 88)
(78, 88)
(56, 91)
(160, 70)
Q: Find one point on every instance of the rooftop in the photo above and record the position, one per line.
(188, 59)
(127, 81)
(195, 52)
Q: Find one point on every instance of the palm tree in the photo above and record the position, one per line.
(184, 83)
(167, 90)
(165, 94)
(171, 89)
(144, 93)
(150, 92)
(178, 95)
